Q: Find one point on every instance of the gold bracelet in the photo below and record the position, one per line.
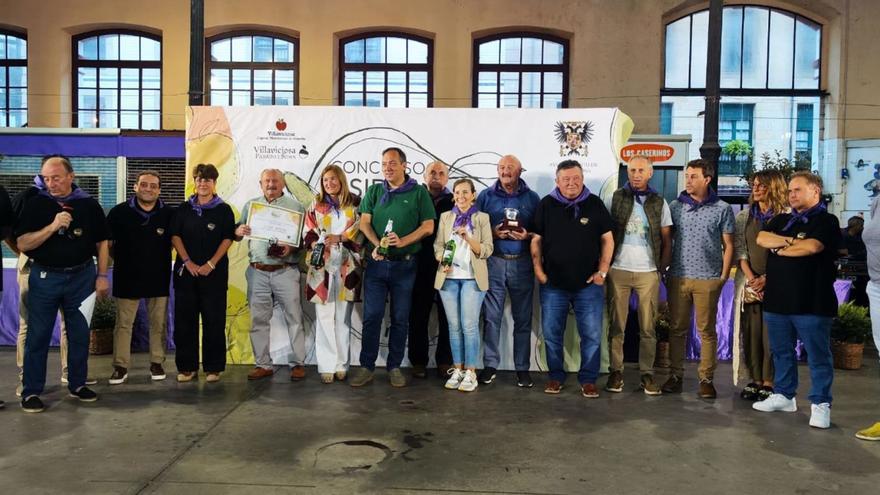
(211, 265)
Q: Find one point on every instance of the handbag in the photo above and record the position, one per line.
(750, 296)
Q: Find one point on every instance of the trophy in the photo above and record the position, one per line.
(511, 221)
(275, 250)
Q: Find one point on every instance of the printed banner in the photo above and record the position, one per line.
(301, 141)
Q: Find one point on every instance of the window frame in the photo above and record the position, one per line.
(766, 91)
(477, 67)
(384, 66)
(252, 66)
(5, 64)
(76, 64)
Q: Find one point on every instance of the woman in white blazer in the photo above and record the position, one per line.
(463, 279)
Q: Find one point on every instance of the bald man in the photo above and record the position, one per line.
(273, 277)
(510, 268)
(424, 296)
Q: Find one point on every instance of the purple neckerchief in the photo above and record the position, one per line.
(408, 184)
(639, 194)
(695, 205)
(334, 205)
(464, 218)
(805, 216)
(557, 195)
(762, 218)
(445, 192)
(194, 203)
(38, 181)
(75, 193)
(146, 215)
(521, 188)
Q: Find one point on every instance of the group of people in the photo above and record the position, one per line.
(424, 245)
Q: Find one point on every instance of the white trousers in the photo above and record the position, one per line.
(332, 335)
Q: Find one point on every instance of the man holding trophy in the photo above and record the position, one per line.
(272, 275)
(510, 205)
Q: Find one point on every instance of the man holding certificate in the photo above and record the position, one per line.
(273, 223)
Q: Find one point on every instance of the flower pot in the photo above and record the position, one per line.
(100, 342)
(847, 356)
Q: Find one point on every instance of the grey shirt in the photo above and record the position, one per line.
(871, 238)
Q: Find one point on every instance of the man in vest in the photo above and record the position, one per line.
(643, 248)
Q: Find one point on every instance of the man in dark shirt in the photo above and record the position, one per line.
(141, 249)
(62, 229)
(424, 296)
(571, 252)
(799, 298)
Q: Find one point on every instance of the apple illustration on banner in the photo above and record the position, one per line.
(280, 124)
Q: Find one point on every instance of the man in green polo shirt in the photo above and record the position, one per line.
(407, 212)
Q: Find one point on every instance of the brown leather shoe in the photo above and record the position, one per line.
(707, 390)
(589, 390)
(553, 387)
(258, 373)
(672, 385)
(297, 373)
(615, 382)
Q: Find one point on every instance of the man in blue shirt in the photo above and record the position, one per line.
(510, 267)
(700, 268)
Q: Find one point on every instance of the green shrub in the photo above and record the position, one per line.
(852, 324)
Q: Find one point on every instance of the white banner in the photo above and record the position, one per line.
(301, 141)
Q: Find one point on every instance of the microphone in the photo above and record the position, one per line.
(67, 208)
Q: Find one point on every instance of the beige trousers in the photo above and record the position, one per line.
(126, 311)
(685, 294)
(621, 284)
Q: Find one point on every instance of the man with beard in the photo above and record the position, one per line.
(140, 243)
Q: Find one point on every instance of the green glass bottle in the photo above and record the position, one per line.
(448, 253)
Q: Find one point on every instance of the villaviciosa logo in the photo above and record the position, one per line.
(280, 130)
(573, 137)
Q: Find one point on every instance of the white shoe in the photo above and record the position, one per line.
(821, 415)
(469, 384)
(776, 402)
(455, 377)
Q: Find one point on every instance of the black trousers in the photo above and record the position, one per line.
(195, 297)
(425, 297)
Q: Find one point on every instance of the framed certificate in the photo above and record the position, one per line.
(275, 224)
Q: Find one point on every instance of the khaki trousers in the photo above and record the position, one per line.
(126, 311)
(24, 272)
(685, 294)
(621, 284)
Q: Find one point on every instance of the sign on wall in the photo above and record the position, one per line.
(301, 141)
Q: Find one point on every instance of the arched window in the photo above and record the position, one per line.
(117, 80)
(770, 82)
(13, 79)
(386, 70)
(526, 70)
(253, 68)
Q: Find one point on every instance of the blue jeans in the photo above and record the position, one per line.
(588, 304)
(462, 300)
(47, 292)
(381, 279)
(815, 332)
(518, 278)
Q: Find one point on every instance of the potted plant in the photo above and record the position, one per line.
(849, 331)
(103, 323)
(661, 329)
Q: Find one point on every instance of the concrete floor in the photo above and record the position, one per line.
(275, 436)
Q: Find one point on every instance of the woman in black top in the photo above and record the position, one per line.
(201, 233)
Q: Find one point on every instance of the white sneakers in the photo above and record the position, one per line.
(461, 380)
(469, 383)
(821, 415)
(776, 402)
(455, 377)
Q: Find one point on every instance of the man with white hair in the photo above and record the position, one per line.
(273, 277)
(642, 251)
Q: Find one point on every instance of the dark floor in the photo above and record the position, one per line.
(281, 437)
